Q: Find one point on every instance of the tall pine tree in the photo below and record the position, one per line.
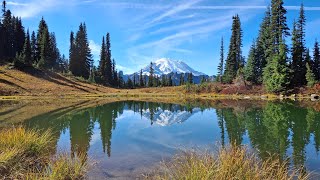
(220, 66)
(102, 62)
(263, 45)
(316, 61)
(108, 61)
(151, 76)
(27, 54)
(80, 64)
(234, 59)
(298, 65)
(251, 69)
(276, 73)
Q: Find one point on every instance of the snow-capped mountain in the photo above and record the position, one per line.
(165, 66)
(168, 118)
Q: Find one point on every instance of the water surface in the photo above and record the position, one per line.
(125, 138)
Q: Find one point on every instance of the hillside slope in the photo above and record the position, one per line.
(44, 83)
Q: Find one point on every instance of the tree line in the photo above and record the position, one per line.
(270, 61)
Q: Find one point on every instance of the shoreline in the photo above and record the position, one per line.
(204, 96)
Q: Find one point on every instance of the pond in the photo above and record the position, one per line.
(124, 138)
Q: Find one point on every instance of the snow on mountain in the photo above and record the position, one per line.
(166, 66)
(168, 118)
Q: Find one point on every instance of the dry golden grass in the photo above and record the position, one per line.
(25, 154)
(15, 82)
(230, 163)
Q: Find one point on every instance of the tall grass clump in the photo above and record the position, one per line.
(65, 167)
(227, 163)
(23, 151)
(26, 154)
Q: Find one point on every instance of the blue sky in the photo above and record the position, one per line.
(145, 30)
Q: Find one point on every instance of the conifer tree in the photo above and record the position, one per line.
(279, 27)
(80, 64)
(298, 65)
(190, 78)
(234, 59)
(263, 46)
(54, 53)
(114, 73)
(33, 48)
(44, 49)
(163, 80)
(108, 60)
(42, 43)
(316, 61)
(151, 76)
(251, 70)
(310, 77)
(26, 54)
(170, 81)
(220, 66)
(141, 79)
(181, 80)
(72, 58)
(102, 62)
(276, 74)
(134, 80)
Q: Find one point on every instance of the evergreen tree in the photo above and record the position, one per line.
(80, 64)
(151, 76)
(220, 66)
(316, 61)
(72, 58)
(263, 46)
(298, 65)
(234, 59)
(54, 53)
(251, 70)
(26, 54)
(164, 80)
(33, 48)
(141, 79)
(190, 78)
(108, 60)
(310, 77)
(129, 84)
(114, 73)
(42, 43)
(44, 49)
(182, 80)
(134, 80)
(279, 28)
(276, 74)
(102, 62)
(170, 81)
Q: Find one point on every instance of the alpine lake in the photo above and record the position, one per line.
(123, 138)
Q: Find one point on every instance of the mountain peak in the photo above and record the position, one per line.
(164, 66)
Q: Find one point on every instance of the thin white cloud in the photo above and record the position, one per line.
(36, 7)
(11, 3)
(95, 49)
(179, 8)
(33, 8)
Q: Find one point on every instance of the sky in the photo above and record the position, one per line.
(145, 30)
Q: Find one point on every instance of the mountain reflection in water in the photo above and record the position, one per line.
(284, 129)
